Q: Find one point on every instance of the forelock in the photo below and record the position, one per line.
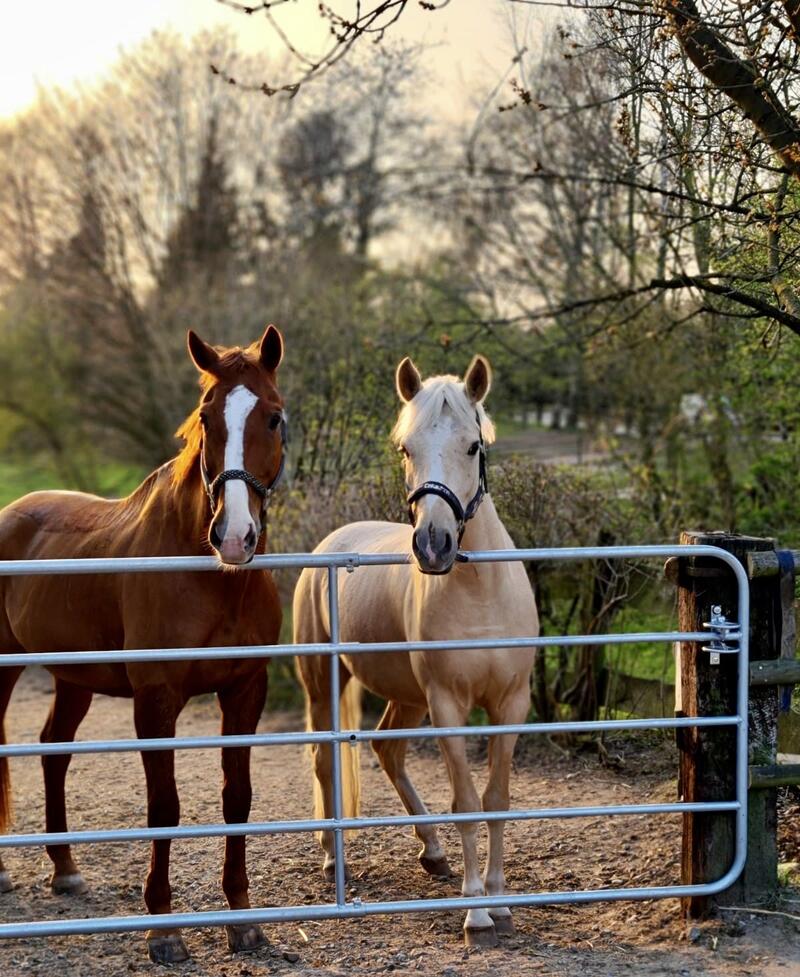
(427, 406)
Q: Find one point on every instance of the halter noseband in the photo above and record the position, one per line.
(214, 486)
(462, 515)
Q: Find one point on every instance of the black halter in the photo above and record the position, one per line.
(213, 486)
(462, 515)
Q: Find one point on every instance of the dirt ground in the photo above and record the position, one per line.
(602, 940)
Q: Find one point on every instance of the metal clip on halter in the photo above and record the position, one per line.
(725, 636)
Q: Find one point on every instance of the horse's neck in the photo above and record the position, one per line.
(485, 531)
(176, 512)
(468, 581)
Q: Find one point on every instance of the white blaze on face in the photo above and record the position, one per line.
(438, 456)
(238, 521)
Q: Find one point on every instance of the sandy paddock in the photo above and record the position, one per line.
(603, 940)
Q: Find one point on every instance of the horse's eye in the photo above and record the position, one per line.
(403, 451)
(473, 449)
(275, 421)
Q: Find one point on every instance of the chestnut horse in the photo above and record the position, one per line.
(441, 433)
(217, 489)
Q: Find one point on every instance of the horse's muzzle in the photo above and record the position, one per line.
(232, 550)
(434, 549)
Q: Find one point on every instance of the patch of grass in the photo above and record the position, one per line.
(506, 426)
(111, 479)
(651, 660)
(17, 479)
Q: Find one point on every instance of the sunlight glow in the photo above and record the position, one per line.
(57, 43)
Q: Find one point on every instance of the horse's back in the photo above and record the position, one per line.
(370, 598)
(58, 612)
(51, 524)
(372, 606)
(367, 536)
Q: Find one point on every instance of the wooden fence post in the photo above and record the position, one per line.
(707, 761)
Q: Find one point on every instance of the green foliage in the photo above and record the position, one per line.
(652, 661)
(110, 480)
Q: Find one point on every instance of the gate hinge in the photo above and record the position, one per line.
(725, 636)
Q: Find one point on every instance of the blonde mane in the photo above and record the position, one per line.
(427, 406)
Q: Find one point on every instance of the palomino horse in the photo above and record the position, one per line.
(441, 433)
(217, 489)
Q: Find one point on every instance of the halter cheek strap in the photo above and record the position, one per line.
(214, 486)
(461, 514)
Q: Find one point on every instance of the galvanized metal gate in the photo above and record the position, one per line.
(723, 635)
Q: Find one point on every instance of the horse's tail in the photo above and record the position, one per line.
(5, 776)
(350, 715)
(350, 718)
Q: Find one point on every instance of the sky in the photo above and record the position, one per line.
(62, 42)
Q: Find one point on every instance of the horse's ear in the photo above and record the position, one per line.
(204, 357)
(270, 350)
(478, 379)
(407, 380)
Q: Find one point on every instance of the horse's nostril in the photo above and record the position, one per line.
(250, 538)
(214, 537)
(448, 543)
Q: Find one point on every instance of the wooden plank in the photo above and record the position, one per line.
(707, 763)
(781, 671)
(765, 564)
(788, 623)
(775, 775)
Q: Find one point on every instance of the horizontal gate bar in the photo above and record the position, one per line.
(278, 561)
(352, 736)
(349, 648)
(117, 835)
(353, 910)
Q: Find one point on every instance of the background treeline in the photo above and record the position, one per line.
(164, 198)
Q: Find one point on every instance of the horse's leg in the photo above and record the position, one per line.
(70, 705)
(155, 711)
(8, 679)
(315, 673)
(392, 757)
(241, 708)
(514, 709)
(446, 711)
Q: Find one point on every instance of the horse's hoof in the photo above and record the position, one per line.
(244, 938)
(504, 925)
(485, 936)
(6, 885)
(167, 949)
(438, 867)
(329, 871)
(69, 885)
